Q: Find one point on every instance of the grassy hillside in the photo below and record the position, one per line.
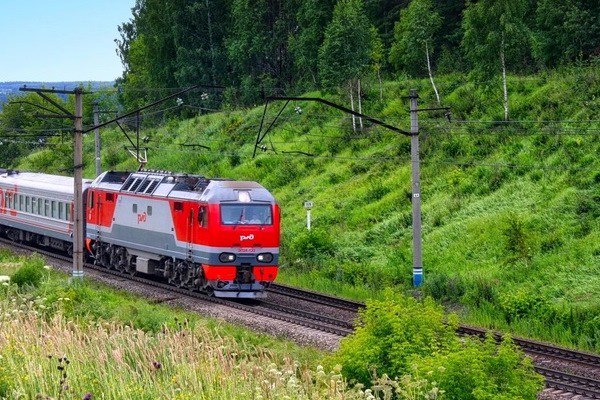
(510, 210)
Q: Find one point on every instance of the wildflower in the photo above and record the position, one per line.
(157, 365)
(88, 396)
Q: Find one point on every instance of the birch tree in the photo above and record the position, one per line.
(495, 35)
(347, 48)
(414, 36)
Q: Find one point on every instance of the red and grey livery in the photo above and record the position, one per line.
(219, 236)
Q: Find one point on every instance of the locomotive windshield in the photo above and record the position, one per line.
(246, 214)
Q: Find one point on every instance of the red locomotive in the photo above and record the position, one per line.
(218, 236)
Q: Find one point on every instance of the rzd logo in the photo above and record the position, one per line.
(142, 217)
(249, 237)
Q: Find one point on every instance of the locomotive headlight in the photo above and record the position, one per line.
(226, 257)
(265, 257)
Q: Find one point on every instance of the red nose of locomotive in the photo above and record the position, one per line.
(245, 230)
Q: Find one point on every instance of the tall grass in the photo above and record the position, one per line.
(59, 357)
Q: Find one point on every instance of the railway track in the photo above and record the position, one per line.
(315, 297)
(534, 347)
(270, 310)
(577, 385)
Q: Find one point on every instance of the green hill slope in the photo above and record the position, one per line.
(511, 211)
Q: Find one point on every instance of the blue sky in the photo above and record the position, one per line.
(60, 40)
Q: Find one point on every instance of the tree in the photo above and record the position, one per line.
(21, 130)
(377, 58)
(257, 46)
(384, 14)
(415, 38)
(567, 30)
(148, 51)
(304, 42)
(200, 27)
(495, 35)
(347, 47)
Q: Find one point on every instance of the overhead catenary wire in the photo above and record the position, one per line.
(447, 162)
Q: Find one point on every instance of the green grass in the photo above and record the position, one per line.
(507, 244)
(114, 343)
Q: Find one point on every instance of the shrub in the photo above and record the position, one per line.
(416, 343)
(481, 290)
(311, 247)
(516, 243)
(445, 288)
(390, 333)
(31, 273)
(520, 303)
(475, 370)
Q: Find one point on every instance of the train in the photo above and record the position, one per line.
(218, 236)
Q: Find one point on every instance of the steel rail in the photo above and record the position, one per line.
(305, 319)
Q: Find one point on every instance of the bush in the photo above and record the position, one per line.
(481, 290)
(31, 273)
(475, 370)
(390, 333)
(517, 242)
(311, 247)
(521, 303)
(445, 288)
(415, 343)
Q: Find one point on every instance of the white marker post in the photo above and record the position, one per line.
(308, 205)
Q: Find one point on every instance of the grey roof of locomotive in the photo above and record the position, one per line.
(180, 186)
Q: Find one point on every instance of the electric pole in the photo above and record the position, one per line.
(78, 175)
(97, 139)
(77, 118)
(416, 190)
(415, 162)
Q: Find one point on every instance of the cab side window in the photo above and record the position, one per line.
(203, 216)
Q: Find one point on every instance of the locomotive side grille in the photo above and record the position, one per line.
(152, 186)
(143, 186)
(135, 185)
